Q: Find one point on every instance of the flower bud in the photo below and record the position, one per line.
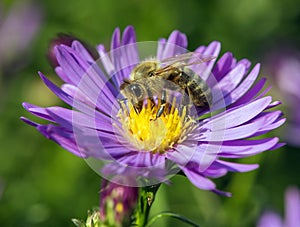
(67, 39)
(117, 203)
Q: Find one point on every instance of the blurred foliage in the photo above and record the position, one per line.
(43, 185)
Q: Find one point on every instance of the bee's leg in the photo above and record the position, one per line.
(152, 101)
(138, 107)
(163, 104)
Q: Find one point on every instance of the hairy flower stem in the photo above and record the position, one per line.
(145, 200)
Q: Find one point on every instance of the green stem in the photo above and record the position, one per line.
(173, 215)
(145, 201)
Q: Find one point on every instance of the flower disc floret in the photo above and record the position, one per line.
(151, 134)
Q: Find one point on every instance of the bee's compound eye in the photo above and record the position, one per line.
(136, 90)
(151, 73)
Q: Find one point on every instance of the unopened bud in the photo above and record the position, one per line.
(117, 202)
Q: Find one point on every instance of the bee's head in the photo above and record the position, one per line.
(134, 92)
(144, 70)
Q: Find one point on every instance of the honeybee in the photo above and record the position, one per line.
(153, 78)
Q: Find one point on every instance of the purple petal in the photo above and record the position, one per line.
(202, 182)
(241, 148)
(270, 219)
(239, 132)
(199, 180)
(70, 119)
(160, 48)
(128, 35)
(235, 167)
(222, 193)
(265, 91)
(123, 57)
(56, 90)
(62, 137)
(60, 72)
(129, 40)
(237, 93)
(69, 141)
(274, 104)
(246, 63)
(83, 74)
(231, 80)
(251, 93)
(81, 50)
(222, 67)
(106, 61)
(268, 117)
(215, 172)
(29, 122)
(143, 159)
(38, 111)
(182, 154)
(75, 93)
(204, 70)
(278, 145)
(292, 207)
(115, 40)
(270, 127)
(175, 45)
(237, 116)
(69, 64)
(81, 145)
(77, 103)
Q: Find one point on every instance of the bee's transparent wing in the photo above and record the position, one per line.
(186, 59)
(182, 60)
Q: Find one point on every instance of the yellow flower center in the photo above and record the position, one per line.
(148, 133)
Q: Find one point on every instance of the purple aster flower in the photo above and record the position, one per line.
(125, 142)
(292, 212)
(284, 66)
(17, 30)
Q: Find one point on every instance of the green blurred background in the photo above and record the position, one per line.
(43, 185)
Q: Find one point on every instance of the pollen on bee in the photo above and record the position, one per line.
(149, 133)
